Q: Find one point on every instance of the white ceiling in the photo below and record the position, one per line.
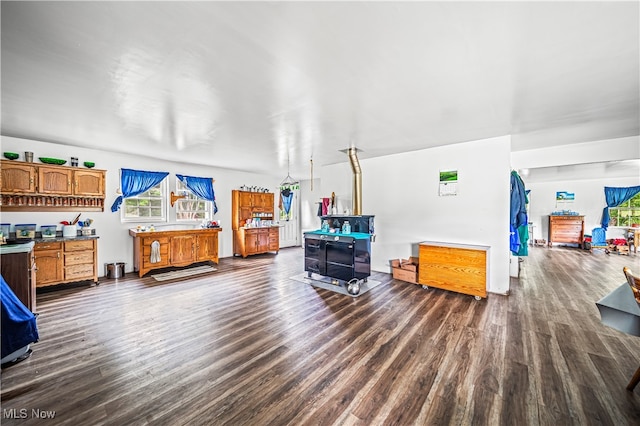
(253, 85)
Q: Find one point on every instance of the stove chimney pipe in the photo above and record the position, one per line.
(357, 181)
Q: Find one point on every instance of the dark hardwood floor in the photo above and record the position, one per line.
(247, 345)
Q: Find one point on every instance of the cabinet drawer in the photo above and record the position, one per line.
(48, 246)
(164, 261)
(77, 258)
(78, 245)
(164, 251)
(78, 272)
(146, 242)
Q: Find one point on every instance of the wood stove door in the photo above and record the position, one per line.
(314, 256)
(340, 260)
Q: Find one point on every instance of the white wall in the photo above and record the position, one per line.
(115, 244)
(578, 153)
(402, 192)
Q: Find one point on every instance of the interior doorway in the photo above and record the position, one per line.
(290, 224)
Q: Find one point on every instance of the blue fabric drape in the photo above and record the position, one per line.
(18, 323)
(614, 197)
(134, 182)
(202, 187)
(287, 197)
(518, 214)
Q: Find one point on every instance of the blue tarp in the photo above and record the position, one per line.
(18, 323)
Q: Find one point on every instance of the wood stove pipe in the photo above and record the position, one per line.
(357, 181)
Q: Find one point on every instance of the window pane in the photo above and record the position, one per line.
(191, 208)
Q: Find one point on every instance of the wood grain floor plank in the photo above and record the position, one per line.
(248, 345)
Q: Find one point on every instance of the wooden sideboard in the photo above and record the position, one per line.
(566, 229)
(463, 268)
(177, 247)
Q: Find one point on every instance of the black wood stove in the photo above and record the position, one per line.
(343, 256)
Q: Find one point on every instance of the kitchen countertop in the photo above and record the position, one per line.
(17, 248)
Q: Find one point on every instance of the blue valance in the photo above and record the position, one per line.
(614, 197)
(202, 187)
(135, 182)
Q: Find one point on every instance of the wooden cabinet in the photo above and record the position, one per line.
(207, 247)
(566, 229)
(175, 247)
(66, 261)
(257, 240)
(17, 178)
(160, 261)
(46, 187)
(54, 180)
(253, 206)
(88, 183)
(463, 268)
(19, 271)
(50, 263)
(183, 249)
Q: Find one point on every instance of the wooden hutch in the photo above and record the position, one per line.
(253, 206)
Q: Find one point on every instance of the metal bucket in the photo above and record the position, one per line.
(114, 270)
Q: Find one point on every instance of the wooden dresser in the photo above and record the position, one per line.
(566, 229)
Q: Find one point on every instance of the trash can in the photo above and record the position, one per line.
(114, 270)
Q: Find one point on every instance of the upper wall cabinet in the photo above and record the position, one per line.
(17, 178)
(36, 187)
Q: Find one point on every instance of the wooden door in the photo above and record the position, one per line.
(208, 247)
(251, 242)
(88, 183)
(54, 180)
(49, 266)
(17, 178)
(183, 249)
(263, 240)
(245, 199)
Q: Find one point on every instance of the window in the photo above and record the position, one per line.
(191, 207)
(149, 206)
(626, 213)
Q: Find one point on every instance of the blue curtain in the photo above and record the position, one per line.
(202, 187)
(134, 182)
(287, 196)
(614, 197)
